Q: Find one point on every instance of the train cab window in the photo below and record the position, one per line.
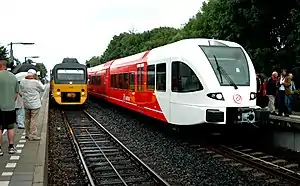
(161, 77)
(126, 81)
(184, 79)
(150, 77)
(131, 79)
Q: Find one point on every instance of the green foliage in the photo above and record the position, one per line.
(269, 31)
(43, 70)
(3, 52)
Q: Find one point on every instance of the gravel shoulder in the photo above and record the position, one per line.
(174, 161)
(63, 163)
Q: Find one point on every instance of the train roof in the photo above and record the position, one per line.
(173, 49)
(69, 65)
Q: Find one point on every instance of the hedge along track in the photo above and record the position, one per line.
(250, 160)
(105, 159)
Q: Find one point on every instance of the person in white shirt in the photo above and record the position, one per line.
(30, 90)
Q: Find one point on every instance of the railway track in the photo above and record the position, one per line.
(257, 162)
(104, 158)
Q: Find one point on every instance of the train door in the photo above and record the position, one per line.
(140, 85)
(162, 86)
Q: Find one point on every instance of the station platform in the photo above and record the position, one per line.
(28, 166)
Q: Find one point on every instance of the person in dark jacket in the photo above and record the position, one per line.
(272, 91)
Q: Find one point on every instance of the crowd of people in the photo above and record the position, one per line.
(276, 91)
(20, 103)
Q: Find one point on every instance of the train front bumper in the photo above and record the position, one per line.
(238, 115)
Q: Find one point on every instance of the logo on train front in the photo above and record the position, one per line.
(237, 98)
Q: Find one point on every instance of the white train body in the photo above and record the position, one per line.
(195, 106)
(196, 81)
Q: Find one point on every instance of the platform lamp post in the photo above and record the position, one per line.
(11, 50)
(30, 57)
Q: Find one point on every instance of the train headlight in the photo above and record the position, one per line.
(58, 92)
(252, 96)
(217, 96)
(82, 92)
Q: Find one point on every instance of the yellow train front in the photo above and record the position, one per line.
(69, 82)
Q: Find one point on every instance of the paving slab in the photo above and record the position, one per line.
(28, 166)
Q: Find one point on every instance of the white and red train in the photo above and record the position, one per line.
(189, 82)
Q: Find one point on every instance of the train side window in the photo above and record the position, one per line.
(117, 81)
(161, 77)
(184, 79)
(126, 82)
(111, 80)
(98, 80)
(150, 77)
(131, 78)
(121, 86)
(140, 78)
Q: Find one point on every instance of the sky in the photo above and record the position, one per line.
(82, 29)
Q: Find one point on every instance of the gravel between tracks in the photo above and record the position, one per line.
(175, 162)
(63, 163)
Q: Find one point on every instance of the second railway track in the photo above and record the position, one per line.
(105, 159)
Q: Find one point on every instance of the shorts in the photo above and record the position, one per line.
(7, 119)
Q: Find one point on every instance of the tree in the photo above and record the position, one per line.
(43, 70)
(270, 34)
(3, 52)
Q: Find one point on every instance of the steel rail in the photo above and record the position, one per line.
(78, 150)
(258, 163)
(153, 173)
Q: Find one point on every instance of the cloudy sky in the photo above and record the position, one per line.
(82, 29)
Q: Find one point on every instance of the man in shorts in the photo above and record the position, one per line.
(9, 90)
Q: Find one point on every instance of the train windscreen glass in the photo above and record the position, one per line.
(70, 74)
(232, 63)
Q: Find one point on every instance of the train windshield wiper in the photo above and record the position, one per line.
(224, 73)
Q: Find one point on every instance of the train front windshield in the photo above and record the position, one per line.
(73, 75)
(230, 62)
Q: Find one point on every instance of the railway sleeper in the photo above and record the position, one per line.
(119, 162)
(88, 135)
(99, 153)
(90, 132)
(123, 176)
(96, 148)
(130, 181)
(99, 168)
(89, 139)
(90, 152)
(92, 144)
(105, 150)
(82, 127)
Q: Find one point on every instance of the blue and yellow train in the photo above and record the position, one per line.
(69, 82)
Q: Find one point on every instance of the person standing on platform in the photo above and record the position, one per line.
(31, 89)
(20, 112)
(283, 82)
(272, 91)
(8, 94)
(289, 94)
